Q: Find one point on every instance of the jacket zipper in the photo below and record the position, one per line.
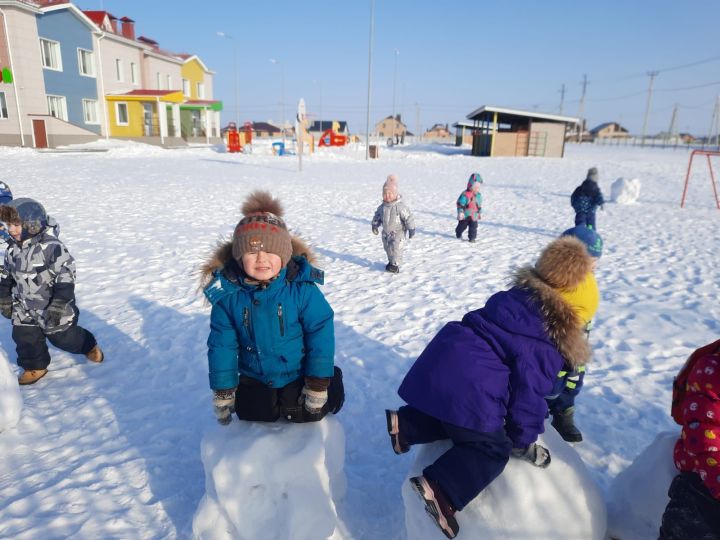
(280, 318)
(246, 322)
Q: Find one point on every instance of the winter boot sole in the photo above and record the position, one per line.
(393, 427)
(448, 525)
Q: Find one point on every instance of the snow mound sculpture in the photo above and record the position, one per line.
(638, 495)
(272, 480)
(10, 399)
(625, 191)
(560, 502)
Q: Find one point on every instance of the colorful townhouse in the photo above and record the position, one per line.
(72, 76)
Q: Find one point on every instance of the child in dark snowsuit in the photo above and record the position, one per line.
(482, 382)
(693, 511)
(586, 198)
(396, 219)
(271, 348)
(469, 206)
(561, 402)
(5, 197)
(37, 292)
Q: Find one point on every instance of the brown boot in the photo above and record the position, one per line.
(95, 354)
(31, 376)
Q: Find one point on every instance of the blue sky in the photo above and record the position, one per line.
(454, 56)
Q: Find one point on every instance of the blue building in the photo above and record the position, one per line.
(70, 66)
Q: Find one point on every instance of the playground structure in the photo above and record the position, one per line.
(232, 139)
(707, 154)
(331, 137)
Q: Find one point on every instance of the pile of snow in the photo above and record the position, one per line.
(560, 502)
(638, 495)
(276, 480)
(10, 399)
(625, 191)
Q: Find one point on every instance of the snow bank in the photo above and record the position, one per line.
(10, 399)
(625, 191)
(560, 502)
(276, 480)
(638, 495)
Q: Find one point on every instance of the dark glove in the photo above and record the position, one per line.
(6, 307)
(411, 233)
(535, 454)
(224, 405)
(375, 230)
(313, 400)
(55, 311)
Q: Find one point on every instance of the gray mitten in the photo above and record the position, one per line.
(224, 405)
(55, 311)
(313, 400)
(6, 307)
(536, 454)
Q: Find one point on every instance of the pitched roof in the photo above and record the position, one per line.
(607, 124)
(322, 125)
(264, 126)
(518, 112)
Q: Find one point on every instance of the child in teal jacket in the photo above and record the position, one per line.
(469, 207)
(272, 344)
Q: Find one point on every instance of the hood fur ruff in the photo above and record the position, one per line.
(223, 254)
(563, 264)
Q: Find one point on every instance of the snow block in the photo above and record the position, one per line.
(625, 191)
(10, 399)
(638, 495)
(272, 480)
(560, 502)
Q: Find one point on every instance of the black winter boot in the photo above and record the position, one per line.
(564, 424)
(392, 268)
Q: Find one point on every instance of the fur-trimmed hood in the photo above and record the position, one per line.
(222, 257)
(562, 324)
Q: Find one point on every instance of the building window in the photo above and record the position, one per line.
(201, 90)
(57, 107)
(51, 58)
(133, 73)
(158, 80)
(121, 114)
(169, 82)
(186, 87)
(90, 111)
(86, 63)
(118, 70)
(3, 106)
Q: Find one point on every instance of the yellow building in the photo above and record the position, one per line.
(199, 114)
(148, 115)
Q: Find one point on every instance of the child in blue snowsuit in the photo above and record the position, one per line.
(271, 347)
(586, 198)
(469, 206)
(561, 402)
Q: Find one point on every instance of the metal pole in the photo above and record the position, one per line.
(237, 87)
(581, 108)
(397, 52)
(369, 91)
(671, 129)
(562, 98)
(652, 75)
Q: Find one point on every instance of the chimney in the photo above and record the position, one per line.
(128, 28)
(113, 23)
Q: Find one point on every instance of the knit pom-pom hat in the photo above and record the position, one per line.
(262, 228)
(391, 186)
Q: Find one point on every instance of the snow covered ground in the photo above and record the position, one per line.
(113, 450)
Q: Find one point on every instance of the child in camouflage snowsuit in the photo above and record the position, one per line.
(37, 291)
(469, 206)
(396, 219)
(5, 197)
(586, 198)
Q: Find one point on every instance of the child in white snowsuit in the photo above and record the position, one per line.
(396, 219)
(37, 292)
(271, 349)
(469, 206)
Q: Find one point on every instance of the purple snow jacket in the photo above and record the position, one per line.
(494, 369)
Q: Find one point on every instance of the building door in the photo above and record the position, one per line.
(39, 133)
(148, 119)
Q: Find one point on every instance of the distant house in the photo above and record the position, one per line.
(609, 130)
(438, 131)
(318, 127)
(500, 131)
(389, 126)
(686, 138)
(265, 129)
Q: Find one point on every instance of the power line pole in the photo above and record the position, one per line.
(581, 109)
(417, 121)
(397, 52)
(671, 129)
(652, 75)
(369, 92)
(562, 98)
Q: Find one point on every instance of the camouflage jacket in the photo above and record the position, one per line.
(35, 273)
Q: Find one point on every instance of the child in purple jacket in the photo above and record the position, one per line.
(482, 382)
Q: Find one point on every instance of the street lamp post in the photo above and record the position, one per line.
(282, 93)
(369, 90)
(319, 83)
(397, 53)
(237, 76)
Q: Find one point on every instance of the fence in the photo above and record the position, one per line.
(674, 143)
